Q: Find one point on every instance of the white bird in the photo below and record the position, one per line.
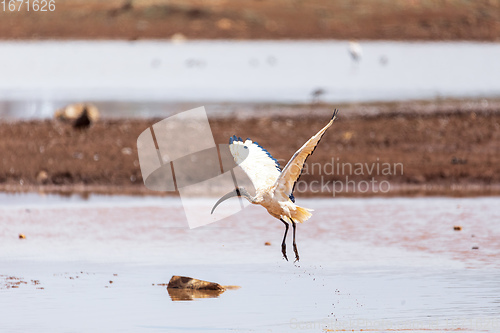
(355, 51)
(274, 187)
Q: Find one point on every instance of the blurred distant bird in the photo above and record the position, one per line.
(316, 95)
(274, 187)
(80, 115)
(355, 51)
(83, 121)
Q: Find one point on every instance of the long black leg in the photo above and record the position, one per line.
(295, 245)
(283, 244)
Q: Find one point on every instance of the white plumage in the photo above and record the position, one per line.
(273, 187)
(258, 164)
(355, 51)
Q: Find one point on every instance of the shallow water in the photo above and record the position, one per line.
(366, 264)
(42, 76)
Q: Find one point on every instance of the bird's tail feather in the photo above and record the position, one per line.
(302, 214)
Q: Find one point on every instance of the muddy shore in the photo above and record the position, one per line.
(451, 151)
(251, 19)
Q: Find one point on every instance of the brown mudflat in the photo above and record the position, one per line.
(449, 151)
(256, 19)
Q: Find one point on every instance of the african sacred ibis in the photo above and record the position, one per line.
(274, 187)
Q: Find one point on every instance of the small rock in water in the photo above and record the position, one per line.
(184, 282)
(475, 247)
(22, 236)
(457, 228)
(267, 243)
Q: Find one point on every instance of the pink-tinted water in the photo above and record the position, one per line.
(373, 265)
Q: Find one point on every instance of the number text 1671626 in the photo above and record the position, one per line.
(28, 5)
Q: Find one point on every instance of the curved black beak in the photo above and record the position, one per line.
(234, 193)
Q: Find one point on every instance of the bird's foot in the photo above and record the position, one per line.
(283, 250)
(296, 253)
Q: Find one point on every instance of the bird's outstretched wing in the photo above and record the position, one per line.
(258, 164)
(292, 171)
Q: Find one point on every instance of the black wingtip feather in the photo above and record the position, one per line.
(335, 112)
(234, 138)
